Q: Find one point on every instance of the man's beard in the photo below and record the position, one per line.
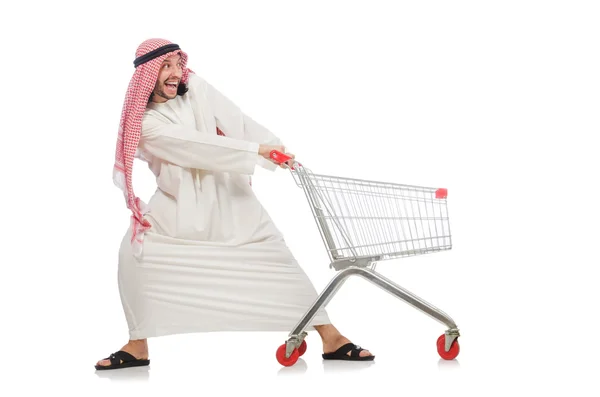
(161, 93)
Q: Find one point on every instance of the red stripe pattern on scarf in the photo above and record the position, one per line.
(138, 92)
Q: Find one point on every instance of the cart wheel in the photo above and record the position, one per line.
(441, 348)
(286, 362)
(302, 348)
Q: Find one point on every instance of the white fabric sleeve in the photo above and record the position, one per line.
(188, 148)
(230, 116)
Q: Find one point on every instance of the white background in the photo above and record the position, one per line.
(496, 101)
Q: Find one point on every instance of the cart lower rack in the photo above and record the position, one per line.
(365, 222)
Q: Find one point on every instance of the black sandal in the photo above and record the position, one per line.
(342, 353)
(122, 359)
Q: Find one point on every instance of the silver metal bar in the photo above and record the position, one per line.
(365, 182)
(451, 335)
(380, 281)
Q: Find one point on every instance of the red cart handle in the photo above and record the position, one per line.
(279, 157)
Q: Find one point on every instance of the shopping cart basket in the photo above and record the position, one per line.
(365, 222)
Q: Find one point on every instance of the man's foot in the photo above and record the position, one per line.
(331, 346)
(137, 348)
(334, 340)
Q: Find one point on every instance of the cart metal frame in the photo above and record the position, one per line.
(364, 222)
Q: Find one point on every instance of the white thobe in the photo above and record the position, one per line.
(213, 259)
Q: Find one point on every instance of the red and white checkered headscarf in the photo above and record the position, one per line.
(140, 88)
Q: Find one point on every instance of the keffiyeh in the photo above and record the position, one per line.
(149, 58)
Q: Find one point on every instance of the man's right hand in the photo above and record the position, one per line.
(265, 151)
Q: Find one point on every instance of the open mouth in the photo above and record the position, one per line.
(171, 87)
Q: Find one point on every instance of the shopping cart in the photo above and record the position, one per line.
(365, 222)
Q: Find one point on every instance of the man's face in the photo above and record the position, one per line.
(169, 77)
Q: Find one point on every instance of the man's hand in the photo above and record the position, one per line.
(265, 151)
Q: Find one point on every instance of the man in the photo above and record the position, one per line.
(203, 255)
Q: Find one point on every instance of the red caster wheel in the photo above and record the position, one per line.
(441, 348)
(286, 362)
(302, 348)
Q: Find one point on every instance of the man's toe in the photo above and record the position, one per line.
(363, 353)
(104, 363)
